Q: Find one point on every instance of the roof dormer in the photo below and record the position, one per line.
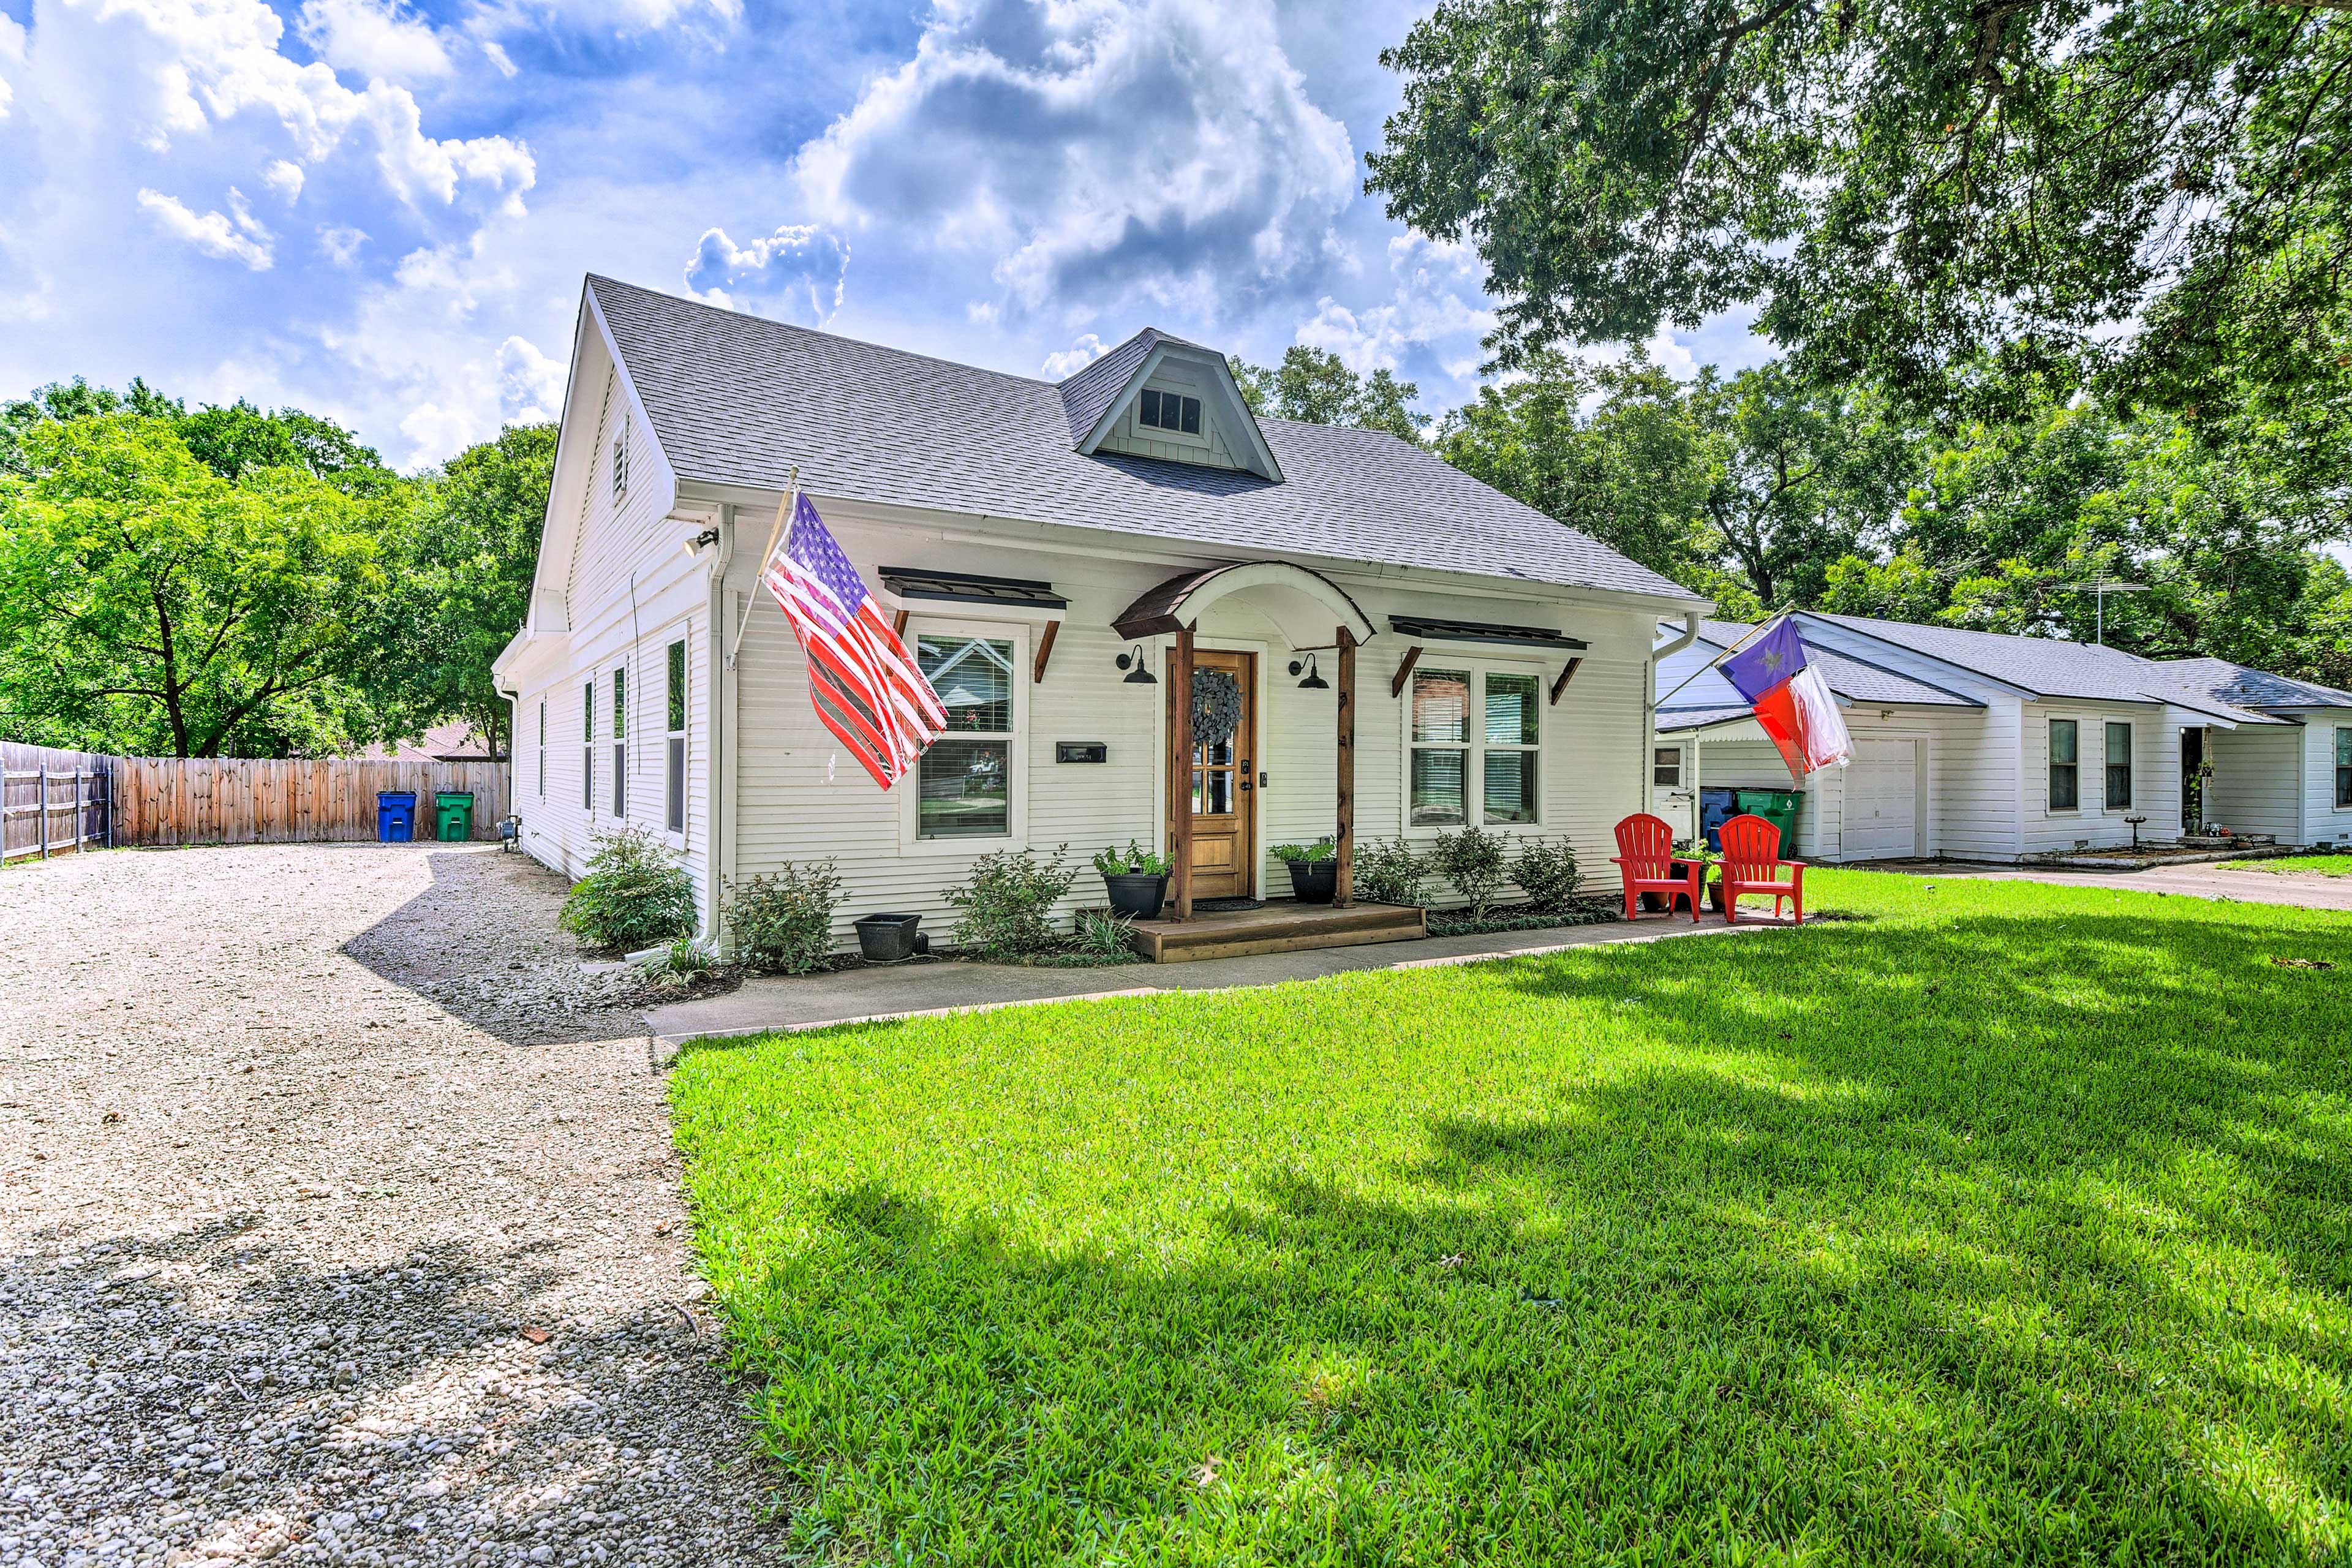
(1157, 396)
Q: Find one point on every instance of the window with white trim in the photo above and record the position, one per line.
(1473, 763)
(2119, 766)
(621, 743)
(542, 749)
(2065, 769)
(964, 782)
(588, 747)
(621, 462)
(674, 748)
(2343, 768)
(1666, 767)
(1170, 411)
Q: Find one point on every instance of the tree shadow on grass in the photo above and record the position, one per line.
(1880, 1253)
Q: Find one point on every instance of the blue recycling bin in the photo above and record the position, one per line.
(396, 817)
(1716, 807)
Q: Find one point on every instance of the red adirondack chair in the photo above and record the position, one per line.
(1645, 854)
(1752, 861)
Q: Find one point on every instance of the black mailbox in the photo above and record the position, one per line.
(1081, 751)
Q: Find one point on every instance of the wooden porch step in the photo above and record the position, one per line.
(1278, 927)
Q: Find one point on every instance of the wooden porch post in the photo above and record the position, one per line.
(1343, 878)
(1179, 772)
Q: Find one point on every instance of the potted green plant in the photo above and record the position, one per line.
(1313, 873)
(1135, 880)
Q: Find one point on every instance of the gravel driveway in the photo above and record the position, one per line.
(340, 1222)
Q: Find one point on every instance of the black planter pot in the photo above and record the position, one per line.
(887, 939)
(1135, 895)
(1313, 882)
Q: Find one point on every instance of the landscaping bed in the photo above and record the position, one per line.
(2002, 1223)
(1521, 916)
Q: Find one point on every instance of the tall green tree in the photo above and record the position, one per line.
(148, 604)
(1316, 386)
(465, 556)
(1963, 201)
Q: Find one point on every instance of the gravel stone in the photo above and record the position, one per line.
(340, 1222)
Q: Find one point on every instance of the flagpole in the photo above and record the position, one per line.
(1717, 663)
(783, 521)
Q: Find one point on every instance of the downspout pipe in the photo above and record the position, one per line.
(718, 710)
(1650, 708)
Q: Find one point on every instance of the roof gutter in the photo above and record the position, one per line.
(1650, 705)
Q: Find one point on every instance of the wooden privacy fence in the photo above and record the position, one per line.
(299, 800)
(52, 802)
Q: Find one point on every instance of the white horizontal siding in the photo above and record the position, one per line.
(2322, 817)
(2258, 782)
(2156, 776)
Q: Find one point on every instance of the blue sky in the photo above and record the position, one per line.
(382, 212)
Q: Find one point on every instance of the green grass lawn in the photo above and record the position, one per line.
(2007, 1223)
(2310, 865)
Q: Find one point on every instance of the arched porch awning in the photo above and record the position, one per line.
(1306, 607)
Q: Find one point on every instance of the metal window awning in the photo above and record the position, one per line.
(969, 588)
(1480, 631)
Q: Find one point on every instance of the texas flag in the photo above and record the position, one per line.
(1791, 701)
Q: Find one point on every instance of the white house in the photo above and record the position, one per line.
(1982, 746)
(1051, 551)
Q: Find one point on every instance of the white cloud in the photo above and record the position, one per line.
(531, 384)
(1095, 148)
(211, 233)
(1074, 358)
(1437, 301)
(374, 39)
(12, 53)
(501, 59)
(284, 178)
(341, 243)
(795, 273)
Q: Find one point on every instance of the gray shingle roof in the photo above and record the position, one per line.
(1087, 396)
(2243, 688)
(1849, 677)
(2045, 666)
(739, 400)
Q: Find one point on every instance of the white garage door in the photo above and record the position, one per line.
(1882, 810)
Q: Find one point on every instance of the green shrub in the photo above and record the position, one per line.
(1102, 936)
(635, 894)
(1389, 873)
(782, 920)
(1306, 854)
(1548, 873)
(1136, 861)
(1005, 901)
(1473, 861)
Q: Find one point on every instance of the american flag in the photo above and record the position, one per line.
(864, 687)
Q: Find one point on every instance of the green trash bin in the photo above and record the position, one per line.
(453, 816)
(1779, 808)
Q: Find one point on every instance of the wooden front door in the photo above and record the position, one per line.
(1225, 789)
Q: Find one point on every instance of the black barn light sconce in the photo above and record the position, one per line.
(1314, 682)
(1138, 673)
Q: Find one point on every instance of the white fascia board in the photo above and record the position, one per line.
(668, 479)
(1832, 630)
(1064, 538)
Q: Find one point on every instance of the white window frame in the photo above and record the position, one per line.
(542, 751)
(1474, 769)
(1161, 433)
(677, 760)
(2336, 763)
(1016, 749)
(620, 742)
(2050, 806)
(621, 459)
(588, 747)
(1680, 764)
(2107, 728)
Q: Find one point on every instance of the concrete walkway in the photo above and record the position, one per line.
(2302, 889)
(916, 990)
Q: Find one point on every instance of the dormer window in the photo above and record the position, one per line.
(1169, 411)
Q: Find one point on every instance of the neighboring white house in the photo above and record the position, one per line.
(1982, 746)
(1041, 544)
